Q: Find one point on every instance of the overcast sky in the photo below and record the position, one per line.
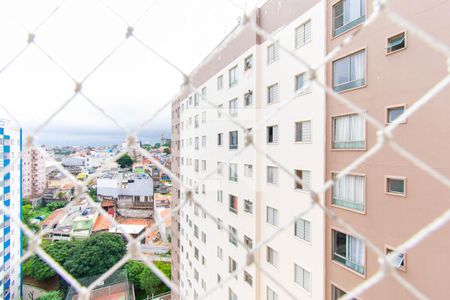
(131, 85)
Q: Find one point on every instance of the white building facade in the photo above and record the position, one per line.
(251, 196)
(33, 173)
(11, 196)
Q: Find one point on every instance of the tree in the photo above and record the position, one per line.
(166, 150)
(38, 269)
(55, 205)
(93, 193)
(95, 255)
(134, 270)
(125, 161)
(53, 295)
(149, 282)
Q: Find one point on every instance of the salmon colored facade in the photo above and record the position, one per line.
(396, 79)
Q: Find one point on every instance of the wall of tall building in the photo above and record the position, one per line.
(33, 173)
(395, 199)
(240, 195)
(11, 195)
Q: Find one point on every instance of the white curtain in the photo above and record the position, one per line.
(350, 188)
(349, 128)
(355, 250)
(357, 65)
(353, 9)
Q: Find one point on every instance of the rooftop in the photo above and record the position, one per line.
(55, 217)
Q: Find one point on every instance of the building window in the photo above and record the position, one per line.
(248, 278)
(272, 134)
(347, 14)
(302, 277)
(248, 206)
(301, 82)
(303, 229)
(219, 139)
(272, 256)
(272, 175)
(396, 186)
(349, 192)
(196, 121)
(305, 176)
(219, 110)
(233, 139)
(232, 235)
(273, 53)
(349, 132)
(248, 98)
(196, 99)
(219, 195)
(232, 265)
(233, 203)
(220, 82)
(231, 294)
(196, 165)
(303, 34)
(398, 260)
(272, 216)
(337, 293)
(232, 105)
(248, 62)
(219, 252)
(248, 170)
(204, 141)
(219, 167)
(272, 93)
(271, 295)
(303, 131)
(349, 71)
(232, 172)
(204, 117)
(349, 251)
(233, 77)
(204, 91)
(396, 43)
(394, 112)
(248, 242)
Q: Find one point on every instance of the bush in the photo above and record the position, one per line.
(53, 295)
(55, 205)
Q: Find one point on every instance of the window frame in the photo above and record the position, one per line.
(275, 257)
(332, 173)
(335, 32)
(233, 83)
(220, 82)
(335, 229)
(276, 49)
(275, 138)
(310, 133)
(332, 117)
(405, 34)
(230, 145)
(303, 90)
(270, 101)
(387, 108)
(390, 248)
(267, 175)
(275, 216)
(246, 59)
(302, 187)
(354, 84)
(298, 46)
(310, 231)
(308, 291)
(386, 185)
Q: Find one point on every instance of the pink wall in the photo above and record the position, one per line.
(399, 78)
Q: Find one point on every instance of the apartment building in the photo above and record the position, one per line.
(11, 195)
(33, 173)
(248, 79)
(384, 70)
(176, 192)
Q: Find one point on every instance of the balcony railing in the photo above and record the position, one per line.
(349, 145)
(349, 264)
(348, 204)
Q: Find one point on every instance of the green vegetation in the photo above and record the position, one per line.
(166, 150)
(125, 161)
(89, 257)
(145, 280)
(53, 295)
(93, 193)
(55, 205)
